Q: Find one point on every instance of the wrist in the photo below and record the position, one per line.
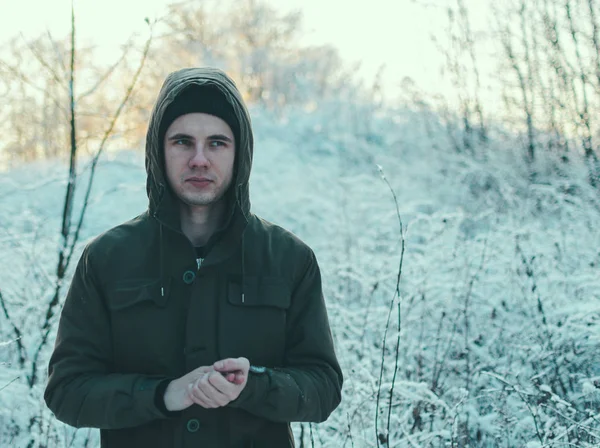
(168, 397)
(160, 399)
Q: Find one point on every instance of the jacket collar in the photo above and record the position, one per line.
(222, 243)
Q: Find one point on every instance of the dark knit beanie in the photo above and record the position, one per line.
(200, 99)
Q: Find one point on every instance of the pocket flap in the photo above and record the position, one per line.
(259, 291)
(125, 294)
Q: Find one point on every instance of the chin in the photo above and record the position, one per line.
(200, 200)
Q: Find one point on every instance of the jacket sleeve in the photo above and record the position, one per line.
(81, 390)
(308, 387)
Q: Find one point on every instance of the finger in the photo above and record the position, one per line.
(207, 392)
(214, 394)
(229, 376)
(232, 364)
(198, 373)
(221, 384)
(199, 397)
(239, 378)
(230, 390)
(204, 391)
(202, 370)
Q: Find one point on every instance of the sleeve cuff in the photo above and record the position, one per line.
(255, 391)
(159, 399)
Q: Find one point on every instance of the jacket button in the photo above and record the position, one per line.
(193, 425)
(188, 277)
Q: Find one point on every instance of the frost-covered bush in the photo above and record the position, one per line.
(499, 301)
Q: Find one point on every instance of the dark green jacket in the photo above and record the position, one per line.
(140, 312)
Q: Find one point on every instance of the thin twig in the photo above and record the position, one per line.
(437, 366)
(107, 134)
(408, 437)
(548, 337)
(88, 438)
(73, 436)
(399, 304)
(467, 333)
(350, 429)
(20, 76)
(367, 311)
(387, 326)
(16, 331)
(581, 425)
(59, 57)
(106, 75)
(32, 261)
(397, 354)
(43, 62)
(9, 383)
(523, 399)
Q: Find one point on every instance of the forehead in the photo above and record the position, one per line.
(199, 124)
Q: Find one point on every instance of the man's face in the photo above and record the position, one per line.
(199, 157)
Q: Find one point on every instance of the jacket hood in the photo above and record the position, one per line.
(161, 200)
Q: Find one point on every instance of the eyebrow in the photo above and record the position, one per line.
(180, 136)
(220, 137)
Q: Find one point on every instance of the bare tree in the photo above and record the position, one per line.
(584, 114)
(523, 75)
(69, 231)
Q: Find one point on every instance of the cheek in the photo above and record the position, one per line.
(231, 166)
(224, 164)
(173, 167)
(231, 163)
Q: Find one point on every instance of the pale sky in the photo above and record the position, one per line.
(391, 32)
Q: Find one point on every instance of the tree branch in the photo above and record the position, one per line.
(16, 331)
(107, 134)
(43, 62)
(106, 75)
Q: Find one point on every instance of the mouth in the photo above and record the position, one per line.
(198, 181)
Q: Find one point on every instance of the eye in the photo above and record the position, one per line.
(182, 142)
(217, 143)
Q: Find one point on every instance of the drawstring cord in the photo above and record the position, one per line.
(161, 190)
(162, 264)
(239, 196)
(243, 267)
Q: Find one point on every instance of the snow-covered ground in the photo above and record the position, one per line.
(499, 300)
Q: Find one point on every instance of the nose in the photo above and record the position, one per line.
(199, 159)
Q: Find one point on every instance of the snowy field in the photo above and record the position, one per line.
(498, 317)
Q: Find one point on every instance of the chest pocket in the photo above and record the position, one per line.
(127, 294)
(141, 325)
(253, 324)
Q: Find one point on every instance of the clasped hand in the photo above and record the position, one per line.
(208, 386)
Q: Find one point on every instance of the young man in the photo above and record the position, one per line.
(196, 324)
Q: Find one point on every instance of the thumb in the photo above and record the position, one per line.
(231, 364)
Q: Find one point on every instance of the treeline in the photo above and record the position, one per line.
(543, 85)
(552, 61)
(257, 44)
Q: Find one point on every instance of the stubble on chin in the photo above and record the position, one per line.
(201, 199)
